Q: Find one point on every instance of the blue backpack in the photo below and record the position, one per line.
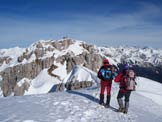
(106, 74)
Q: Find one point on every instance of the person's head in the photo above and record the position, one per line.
(125, 68)
(106, 62)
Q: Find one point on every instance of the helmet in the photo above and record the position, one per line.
(126, 66)
(105, 61)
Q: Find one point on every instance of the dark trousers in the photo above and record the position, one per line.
(124, 94)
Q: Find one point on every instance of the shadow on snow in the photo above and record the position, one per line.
(90, 97)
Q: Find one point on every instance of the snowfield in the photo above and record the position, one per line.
(82, 106)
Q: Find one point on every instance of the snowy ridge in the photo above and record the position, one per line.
(42, 83)
(135, 55)
(80, 73)
(11, 54)
(45, 44)
(14, 53)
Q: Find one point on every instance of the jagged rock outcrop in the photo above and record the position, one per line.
(6, 60)
(90, 60)
(14, 74)
(20, 90)
(26, 55)
(61, 45)
(78, 85)
(71, 86)
(52, 68)
(6, 88)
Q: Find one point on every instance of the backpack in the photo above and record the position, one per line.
(106, 74)
(131, 80)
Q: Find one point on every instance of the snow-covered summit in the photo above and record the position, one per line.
(41, 49)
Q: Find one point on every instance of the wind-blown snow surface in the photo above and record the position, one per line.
(82, 106)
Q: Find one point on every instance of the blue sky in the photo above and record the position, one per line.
(100, 22)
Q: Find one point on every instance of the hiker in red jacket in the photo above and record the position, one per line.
(127, 84)
(106, 74)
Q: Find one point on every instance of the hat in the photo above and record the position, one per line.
(126, 66)
(105, 61)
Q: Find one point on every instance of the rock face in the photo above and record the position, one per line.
(61, 45)
(71, 86)
(11, 75)
(92, 61)
(14, 74)
(5, 59)
(78, 85)
(20, 90)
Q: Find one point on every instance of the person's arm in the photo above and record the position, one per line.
(118, 78)
(99, 75)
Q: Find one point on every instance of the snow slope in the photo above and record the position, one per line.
(80, 73)
(150, 89)
(77, 106)
(42, 83)
(81, 105)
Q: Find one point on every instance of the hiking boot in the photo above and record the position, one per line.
(125, 112)
(107, 102)
(121, 106)
(126, 108)
(120, 109)
(101, 102)
(107, 106)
